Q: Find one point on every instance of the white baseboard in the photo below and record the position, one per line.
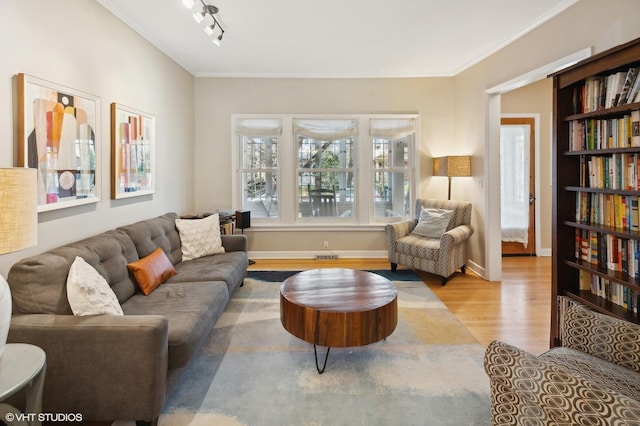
(477, 269)
(311, 254)
(544, 252)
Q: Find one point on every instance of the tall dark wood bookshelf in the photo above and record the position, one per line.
(574, 158)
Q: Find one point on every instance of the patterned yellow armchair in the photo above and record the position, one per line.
(438, 251)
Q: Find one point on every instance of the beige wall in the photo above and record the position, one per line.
(585, 24)
(101, 55)
(218, 98)
(78, 43)
(537, 98)
(452, 111)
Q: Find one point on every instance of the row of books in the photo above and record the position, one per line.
(607, 91)
(614, 210)
(615, 171)
(227, 228)
(591, 133)
(609, 252)
(616, 293)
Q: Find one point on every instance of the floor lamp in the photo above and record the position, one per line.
(18, 227)
(451, 167)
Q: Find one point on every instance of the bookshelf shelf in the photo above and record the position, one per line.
(603, 305)
(605, 113)
(610, 230)
(614, 276)
(596, 185)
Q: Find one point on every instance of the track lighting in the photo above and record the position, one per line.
(207, 10)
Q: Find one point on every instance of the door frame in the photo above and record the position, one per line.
(536, 172)
(492, 244)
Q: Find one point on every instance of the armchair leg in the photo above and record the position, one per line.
(394, 267)
(443, 280)
(463, 269)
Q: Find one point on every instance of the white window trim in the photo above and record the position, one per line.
(364, 217)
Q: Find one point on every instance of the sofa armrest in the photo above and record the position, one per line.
(235, 242)
(105, 367)
(602, 336)
(525, 387)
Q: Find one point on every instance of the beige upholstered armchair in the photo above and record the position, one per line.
(438, 255)
(592, 379)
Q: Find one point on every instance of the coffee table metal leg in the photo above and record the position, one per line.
(326, 357)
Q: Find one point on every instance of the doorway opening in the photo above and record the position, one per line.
(517, 186)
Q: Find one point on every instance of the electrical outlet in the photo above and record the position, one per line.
(325, 245)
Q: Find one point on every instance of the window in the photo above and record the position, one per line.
(393, 141)
(309, 171)
(325, 173)
(259, 166)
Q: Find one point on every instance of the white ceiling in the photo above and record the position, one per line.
(335, 38)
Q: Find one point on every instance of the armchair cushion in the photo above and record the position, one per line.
(603, 373)
(602, 336)
(433, 222)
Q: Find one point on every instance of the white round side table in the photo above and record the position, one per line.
(22, 367)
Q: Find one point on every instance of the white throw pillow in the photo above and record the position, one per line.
(433, 222)
(88, 292)
(200, 237)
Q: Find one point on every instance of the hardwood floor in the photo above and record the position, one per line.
(515, 310)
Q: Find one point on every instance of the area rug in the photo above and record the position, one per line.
(251, 371)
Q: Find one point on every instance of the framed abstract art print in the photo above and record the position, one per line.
(59, 136)
(132, 152)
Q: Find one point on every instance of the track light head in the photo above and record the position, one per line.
(198, 16)
(209, 29)
(218, 40)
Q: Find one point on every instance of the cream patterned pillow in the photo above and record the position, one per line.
(88, 292)
(200, 237)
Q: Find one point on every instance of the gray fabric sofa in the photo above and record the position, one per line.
(594, 378)
(110, 367)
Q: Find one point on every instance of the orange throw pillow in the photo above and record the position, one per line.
(152, 270)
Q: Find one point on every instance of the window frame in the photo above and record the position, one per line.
(364, 171)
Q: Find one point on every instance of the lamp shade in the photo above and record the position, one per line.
(18, 209)
(451, 166)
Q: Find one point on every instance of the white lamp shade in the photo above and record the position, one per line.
(19, 207)
(18, 228)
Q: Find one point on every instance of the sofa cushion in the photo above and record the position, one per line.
(229, 267)
(152, 270)
(603, 373)
(88, 292)
(199, 237)
(161, 231)
(39, 283)
(191, 310)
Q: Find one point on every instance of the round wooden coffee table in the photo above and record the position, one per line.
(338, 308)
